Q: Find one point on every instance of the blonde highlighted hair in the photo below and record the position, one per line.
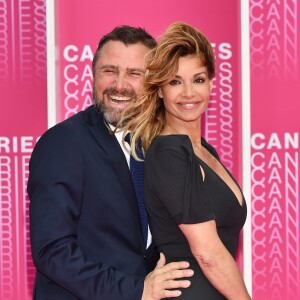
(145, 118)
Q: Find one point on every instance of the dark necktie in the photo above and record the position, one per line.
(137, 174)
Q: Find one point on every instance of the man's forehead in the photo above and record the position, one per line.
(120, 68)
(122, 61)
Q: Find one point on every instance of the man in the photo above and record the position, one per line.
(85, 228)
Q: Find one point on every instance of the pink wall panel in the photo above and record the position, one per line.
(77, 40)
(23, 117)
(275, 107)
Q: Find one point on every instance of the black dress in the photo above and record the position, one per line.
(175, 193)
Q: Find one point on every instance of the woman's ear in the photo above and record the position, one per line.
(211, 85)
(159, 93)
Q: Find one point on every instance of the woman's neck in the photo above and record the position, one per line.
(192, 129)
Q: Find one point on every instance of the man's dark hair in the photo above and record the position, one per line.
(127, 35)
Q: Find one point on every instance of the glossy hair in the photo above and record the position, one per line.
(146, 117)
(127, 35)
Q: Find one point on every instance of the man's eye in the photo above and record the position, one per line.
(109, 71)
(136, 74)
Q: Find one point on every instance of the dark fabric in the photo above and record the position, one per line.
(175, 193)
(85, 231)
(137, 175)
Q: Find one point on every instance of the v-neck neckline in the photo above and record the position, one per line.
(241, 204)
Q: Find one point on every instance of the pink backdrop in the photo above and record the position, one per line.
(275, 108)
(22, 119)
(274, 94)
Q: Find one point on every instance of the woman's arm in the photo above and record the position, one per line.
(215, 261)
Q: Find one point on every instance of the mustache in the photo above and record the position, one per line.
(125, 92)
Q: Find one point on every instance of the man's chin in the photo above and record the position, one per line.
(112, 119)
(111, 115)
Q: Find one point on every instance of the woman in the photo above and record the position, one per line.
(195, 206)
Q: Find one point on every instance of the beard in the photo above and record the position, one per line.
(111, 115)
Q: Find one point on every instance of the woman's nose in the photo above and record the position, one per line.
(187, 90)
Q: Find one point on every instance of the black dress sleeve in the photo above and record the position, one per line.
(173, 175)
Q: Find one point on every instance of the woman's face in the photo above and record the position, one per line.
(186, 96)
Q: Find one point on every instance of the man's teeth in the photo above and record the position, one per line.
(119, 98)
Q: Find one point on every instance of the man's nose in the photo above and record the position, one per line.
(120, 81)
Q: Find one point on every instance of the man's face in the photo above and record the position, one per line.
(119, 75)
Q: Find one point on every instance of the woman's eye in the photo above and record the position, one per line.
(199, 80)
(174, 82)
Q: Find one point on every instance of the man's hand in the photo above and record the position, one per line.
(158, 283)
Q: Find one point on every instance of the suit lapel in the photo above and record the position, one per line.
(112, 148)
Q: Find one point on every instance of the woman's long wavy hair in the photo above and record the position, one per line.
(145, 118)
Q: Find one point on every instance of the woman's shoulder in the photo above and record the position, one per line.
(174, 142)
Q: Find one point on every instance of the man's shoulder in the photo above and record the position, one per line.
(72, 127)
(89, 115)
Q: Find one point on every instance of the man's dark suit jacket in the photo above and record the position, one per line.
(85, 229)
